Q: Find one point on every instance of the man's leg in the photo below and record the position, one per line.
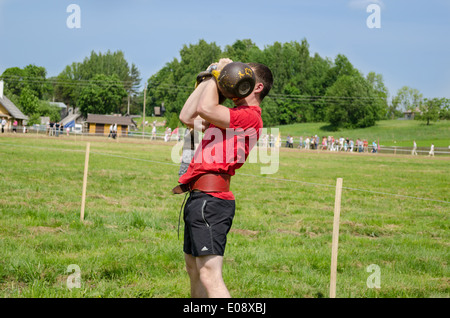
(197, 288)
(205, 274)
(210, 269)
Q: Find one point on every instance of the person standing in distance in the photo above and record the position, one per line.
(414, 150)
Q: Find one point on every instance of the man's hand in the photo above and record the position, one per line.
(222, 63)
(212, 66)
(203, 103)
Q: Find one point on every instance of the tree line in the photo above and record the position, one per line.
(103, 83)
(307, 87)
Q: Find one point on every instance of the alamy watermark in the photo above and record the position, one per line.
(374, 20)
(74, 279)
(74, 19)
(230, 146)
(374, 280)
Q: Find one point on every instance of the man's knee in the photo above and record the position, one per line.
(209, 277)
(209, 269)
(191, 265)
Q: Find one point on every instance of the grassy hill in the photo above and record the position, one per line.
(400, 133)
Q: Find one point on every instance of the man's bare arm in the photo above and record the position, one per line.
(208, 105)
(209, 108)
(204, 103)
(189, 114)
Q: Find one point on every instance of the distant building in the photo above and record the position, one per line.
(73, 117)
(410, 114)
(63, 109)
(100, 124)
(10, 112)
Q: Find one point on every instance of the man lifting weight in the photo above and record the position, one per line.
(209, 211)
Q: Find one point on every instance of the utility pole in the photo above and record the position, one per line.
(128, 108)
(143, 112)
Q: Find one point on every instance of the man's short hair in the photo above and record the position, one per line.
(264, 76)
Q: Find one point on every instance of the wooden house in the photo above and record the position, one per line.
(100, 124)
(10, 112)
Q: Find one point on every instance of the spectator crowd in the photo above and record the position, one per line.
(323, 143)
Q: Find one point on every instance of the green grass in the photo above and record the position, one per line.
(280, 242)
(399, 133)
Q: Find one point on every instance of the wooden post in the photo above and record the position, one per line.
(83, 196)
(143, 112)
(335, 240)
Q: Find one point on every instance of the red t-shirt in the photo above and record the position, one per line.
(225, 150)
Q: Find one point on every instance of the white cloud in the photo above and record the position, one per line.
(362, 4)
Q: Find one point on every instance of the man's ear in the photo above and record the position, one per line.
(258, 88)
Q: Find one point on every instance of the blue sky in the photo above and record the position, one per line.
(411, 48)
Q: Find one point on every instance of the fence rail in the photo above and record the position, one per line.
(44, 131)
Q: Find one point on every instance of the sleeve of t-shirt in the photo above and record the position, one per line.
(243, 118)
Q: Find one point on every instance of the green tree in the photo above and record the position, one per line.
(46, 109)
(75, 77)
(444, 113)
(270, 112)
(28, 101)
(31, 77)
(352, 103)
(103, 95)
(429, 110)
(173, 121)
(68, 84)
(43, 108)
(288, 109)
(241, 51)
(14, 80)
(377, 83)
(317, 75)
(408, 98)
(35, 79)
(340, 67)
(300, 80)
(173, 84)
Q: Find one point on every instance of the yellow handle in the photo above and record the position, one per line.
(216, 74)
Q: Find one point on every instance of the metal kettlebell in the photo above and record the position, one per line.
(235, 80)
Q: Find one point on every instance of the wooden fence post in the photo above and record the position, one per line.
(335, 239)
(83, 196)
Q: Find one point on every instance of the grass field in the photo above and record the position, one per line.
(280, 242)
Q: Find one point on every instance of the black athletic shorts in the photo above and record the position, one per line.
(207, 220)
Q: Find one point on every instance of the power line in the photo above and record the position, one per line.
(152, 84)
(63, 82)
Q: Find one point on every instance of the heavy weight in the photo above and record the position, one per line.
(235, 80)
